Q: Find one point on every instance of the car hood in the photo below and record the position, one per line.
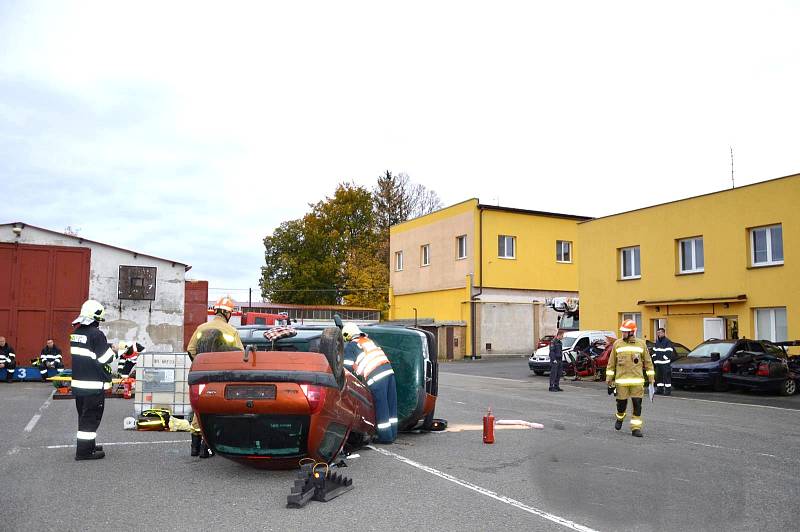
(699, 362)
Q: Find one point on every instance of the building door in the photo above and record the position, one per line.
(195, 308)
(658, 323)
(713, 328)
(42, 289)
(449, 347)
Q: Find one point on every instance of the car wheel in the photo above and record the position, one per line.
(601, 374)
(331, 345)
(789, 387)
(538, 372)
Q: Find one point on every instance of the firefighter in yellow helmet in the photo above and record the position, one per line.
(629, 368)
(215, 335)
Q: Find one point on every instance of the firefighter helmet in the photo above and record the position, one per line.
(225, 303)
(628, 326)
(92, 310)
(350, 331)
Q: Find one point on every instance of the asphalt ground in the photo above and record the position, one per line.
(707, 462)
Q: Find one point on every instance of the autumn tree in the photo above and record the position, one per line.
(339, 251)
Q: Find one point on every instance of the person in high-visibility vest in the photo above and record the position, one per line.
(663, 352)
(215, 335)
(628, 365)
(372, 366)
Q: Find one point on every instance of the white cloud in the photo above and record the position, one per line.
(194, 112)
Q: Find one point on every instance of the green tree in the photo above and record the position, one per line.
(305, 259)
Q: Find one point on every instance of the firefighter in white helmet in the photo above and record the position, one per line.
(368, 361)
(91, 376)
(629, 368)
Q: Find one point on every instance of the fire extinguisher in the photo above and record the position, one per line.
(126, 389)
(488, 427)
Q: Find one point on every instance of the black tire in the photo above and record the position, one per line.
(331, 345)
(538, 372)
(601, 374)
(788, 387)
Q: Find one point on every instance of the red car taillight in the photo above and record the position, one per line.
(726, 366)
(763, 370)
(194, 394)
(315, 396)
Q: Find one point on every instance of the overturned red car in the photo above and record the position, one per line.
(281, 401)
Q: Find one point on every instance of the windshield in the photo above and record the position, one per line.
(705, 350)
(567, 341)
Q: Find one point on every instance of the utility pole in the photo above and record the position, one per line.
(733, 183)
(250, 298)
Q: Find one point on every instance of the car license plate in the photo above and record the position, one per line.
(250, 391)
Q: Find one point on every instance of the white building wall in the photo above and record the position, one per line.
(158, 324)
(513, 320)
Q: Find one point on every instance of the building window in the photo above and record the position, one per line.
(630, 263)
(398, 261)
(766, 245)
(636, 317)
(506, 246)
(563, 251)
(461, 247)
(771, 324)
(691, 255)
(425, 255)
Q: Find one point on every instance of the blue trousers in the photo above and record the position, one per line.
(384, 395)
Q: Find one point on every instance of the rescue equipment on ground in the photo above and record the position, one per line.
(519, 422)
(153, 419)
(312, 484)
(129, 423)
(488, 427)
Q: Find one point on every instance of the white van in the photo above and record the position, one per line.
(573, 341)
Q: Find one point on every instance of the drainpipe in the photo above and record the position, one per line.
(473, 300)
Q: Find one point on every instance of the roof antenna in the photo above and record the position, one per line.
(733, 183)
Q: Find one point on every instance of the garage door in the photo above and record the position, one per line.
(506, 328)
(41, 291)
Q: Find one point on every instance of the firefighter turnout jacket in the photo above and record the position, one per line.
(229, 334)
(50, 356)
(91, 355)
(629, 363)
(7, 356)
(662, 351)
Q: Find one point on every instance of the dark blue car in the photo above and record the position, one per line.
(720, 364)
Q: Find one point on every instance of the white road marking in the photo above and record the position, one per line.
(483, 491)
(36, 417)
(32, 423)
(114, 443)
(620, 469)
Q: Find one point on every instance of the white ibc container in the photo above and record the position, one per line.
(161, 382)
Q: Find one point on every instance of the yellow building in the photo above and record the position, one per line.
(722, 265)
(482, 274)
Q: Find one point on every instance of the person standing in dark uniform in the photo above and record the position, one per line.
(556, 358)
(91, 377)
(662, 359)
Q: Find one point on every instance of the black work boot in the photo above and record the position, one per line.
(85, 451)
(668, 391)
(196, 443)
(97, 447)
(205, 450)
(637, 433)
(618, 424)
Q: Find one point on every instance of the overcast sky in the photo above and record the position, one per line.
(191, 130)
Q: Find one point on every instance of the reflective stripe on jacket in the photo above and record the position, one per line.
(372, 363)
(662, 351)
(90, 357)
(629, 362)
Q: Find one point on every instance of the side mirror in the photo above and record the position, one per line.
(337, 320)
(714, 356)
